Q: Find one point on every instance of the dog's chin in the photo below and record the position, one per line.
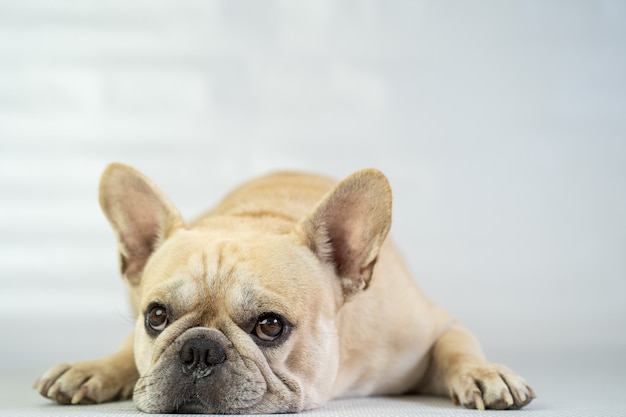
(175, 393)
(197, 406)
(189, 401)
(194, 406)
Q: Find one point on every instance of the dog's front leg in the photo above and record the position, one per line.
(111, 378)
(459, 369)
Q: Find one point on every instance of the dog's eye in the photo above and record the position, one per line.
(157, 318)
(268, 327)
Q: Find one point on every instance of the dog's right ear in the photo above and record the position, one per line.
(349, 226)
(140, 214)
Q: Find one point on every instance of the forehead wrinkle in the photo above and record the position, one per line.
(222, 268)
(233, 288)
(212, 265)
(196, 264)
(218, 271)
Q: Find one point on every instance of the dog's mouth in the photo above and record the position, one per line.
(194, 404)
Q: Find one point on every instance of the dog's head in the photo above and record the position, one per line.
(236, 316)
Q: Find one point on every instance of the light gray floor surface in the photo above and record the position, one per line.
(568, 383)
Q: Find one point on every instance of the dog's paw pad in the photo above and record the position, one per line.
(490, 386)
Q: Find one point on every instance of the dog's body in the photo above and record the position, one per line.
(271, 303)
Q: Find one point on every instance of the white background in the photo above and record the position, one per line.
(500, 124)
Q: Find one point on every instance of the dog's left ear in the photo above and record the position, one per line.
(141, 215)
(349, 226)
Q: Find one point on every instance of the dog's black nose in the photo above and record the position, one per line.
(199, 356)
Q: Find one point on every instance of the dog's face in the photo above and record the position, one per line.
(234, 326)
(237, 314)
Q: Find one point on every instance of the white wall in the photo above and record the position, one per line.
(501, 126)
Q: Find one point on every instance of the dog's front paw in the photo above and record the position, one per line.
(87, 382)
(489, 386)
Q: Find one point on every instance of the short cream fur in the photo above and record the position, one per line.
(309, 253)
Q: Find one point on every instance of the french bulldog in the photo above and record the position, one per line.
(286, 295)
